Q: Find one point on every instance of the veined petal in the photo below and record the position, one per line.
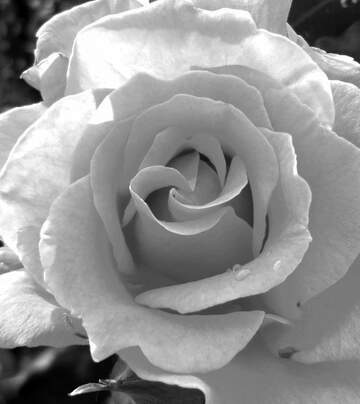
(270, 15)
(157, 40)
(255, 376)
(82, 274)
(58, 34)
(37, 170)
(13, 123)
(347, 107)
(30, 316)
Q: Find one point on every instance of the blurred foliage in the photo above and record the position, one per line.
(45, 375)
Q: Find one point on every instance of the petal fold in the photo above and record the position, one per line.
(58, 34)
(30, 316)
(49, 77)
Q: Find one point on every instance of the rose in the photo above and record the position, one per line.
(87, 180)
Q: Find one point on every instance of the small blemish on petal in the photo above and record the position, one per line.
(287, 353)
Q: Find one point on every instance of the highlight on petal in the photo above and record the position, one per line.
(347, 107)
(256, 376)
(13, 123)
(30, 316)
(284, 249)
(49, 77)
(157, 40)
(329, 328)
(82, 274)
(58, 34)
(37, 170)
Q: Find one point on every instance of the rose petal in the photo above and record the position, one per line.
(49, 77)
(200, 238)
(335, 210)
(82, 274)
(173, 141)
(237, 135)
(334, 182)
(329, 328)
(269, 15)
(30, 316)
(235, 182)
(37, 170)
(13, 123)
(287, 243)
(337, 67)
(157, 40)
(143, 91)
(58, 34)
(347, 107)
(255, 376)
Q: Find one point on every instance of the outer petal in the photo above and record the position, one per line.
(81, 272)
(335, 210)
(329, 329)
(13, 123)
(49, 77)
(347, 107)
(58, 34)
(255, 376)
(337, 67)
(334, 181)
(30, 316)
(37, 171)
(168, 37)
(271, 15)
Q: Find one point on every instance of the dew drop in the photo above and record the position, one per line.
(240, 274)
(277, 265)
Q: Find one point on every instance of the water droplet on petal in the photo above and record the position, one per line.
(277, 265)
(240, 274)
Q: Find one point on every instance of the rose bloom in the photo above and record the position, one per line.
(188, 196)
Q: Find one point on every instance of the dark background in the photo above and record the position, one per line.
(43, 375)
